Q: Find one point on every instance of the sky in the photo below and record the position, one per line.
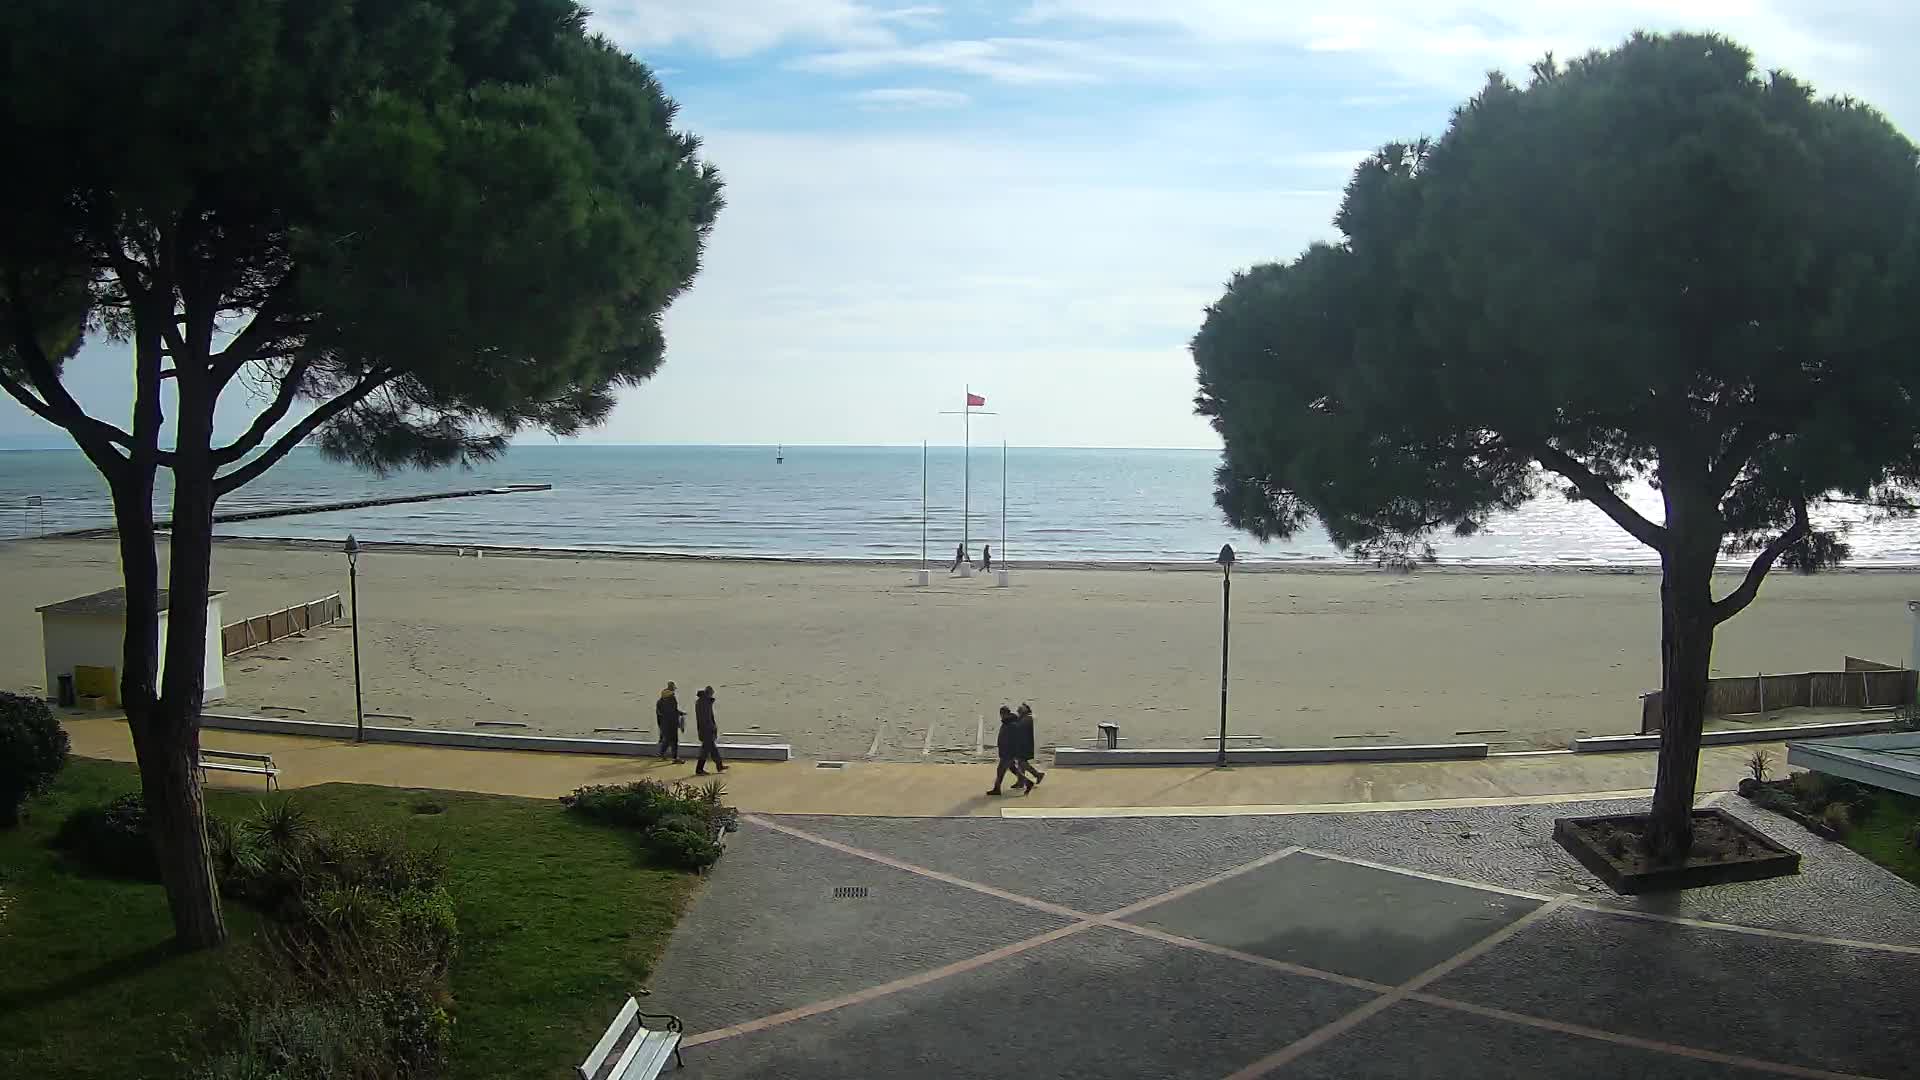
(1038, 198)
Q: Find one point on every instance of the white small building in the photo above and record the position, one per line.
(90, 630)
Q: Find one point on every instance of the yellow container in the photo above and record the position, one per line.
(100, 682)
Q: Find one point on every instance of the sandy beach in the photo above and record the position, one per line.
(850, 661)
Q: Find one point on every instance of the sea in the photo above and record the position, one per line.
(839, 502)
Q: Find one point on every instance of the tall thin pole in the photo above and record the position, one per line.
(923, 504)
(353, 595)
(1226, 627)
(966, 479)
(1003, 504)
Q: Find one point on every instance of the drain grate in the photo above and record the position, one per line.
(850, 892)
(829, 764)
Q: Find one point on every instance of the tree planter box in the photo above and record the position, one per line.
(1726, 849)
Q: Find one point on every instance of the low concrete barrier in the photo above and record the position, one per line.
(483, 740)
(1601, 743)
(1267, 755)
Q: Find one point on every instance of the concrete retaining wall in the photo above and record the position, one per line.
(477, 740)
(1268, 755)
(1598, 743)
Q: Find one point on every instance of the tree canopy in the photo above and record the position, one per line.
(1651, 263)
(435, 221)
(404, 229)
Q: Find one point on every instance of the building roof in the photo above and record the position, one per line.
(1890, 761)
(104, 602)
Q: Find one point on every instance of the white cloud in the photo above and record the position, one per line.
(734, 28)
(1450, 44)
(855, 281)
(910, 97)
(1012, 61)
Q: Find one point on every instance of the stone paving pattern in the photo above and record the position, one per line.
(1586, 988)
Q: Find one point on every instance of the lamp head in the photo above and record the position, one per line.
(1225, 558)
(352, 548)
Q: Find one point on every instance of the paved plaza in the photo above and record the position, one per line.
(1427, 943)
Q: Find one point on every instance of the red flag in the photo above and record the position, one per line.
(975, 399)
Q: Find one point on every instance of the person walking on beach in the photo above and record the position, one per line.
(959, 556)
(667, 714)
(1009, 747)
(705, 726)
(986, 557)
(1024, 745)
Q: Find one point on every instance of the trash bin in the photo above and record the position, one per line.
(1111, 732)
(65, 695)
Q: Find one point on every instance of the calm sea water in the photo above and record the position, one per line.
(829, 502)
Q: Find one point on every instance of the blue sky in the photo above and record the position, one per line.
(1038, 197)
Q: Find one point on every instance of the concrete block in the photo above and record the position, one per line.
(1268, 755)
(1599, 743)
(482, 740)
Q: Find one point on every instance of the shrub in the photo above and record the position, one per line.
(678, 849)
(639, 805)
(646, 804)
(372, 1034)
(351, 982)
(33, 750)
(1760, 765)
(111, 839)
(1838, 817)
(1810, 788)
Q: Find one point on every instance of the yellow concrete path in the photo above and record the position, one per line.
(930, 790)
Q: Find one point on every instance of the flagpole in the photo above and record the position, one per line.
(923, 504)
(1003, 504)
(966, 479)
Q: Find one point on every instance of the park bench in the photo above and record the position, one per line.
(235, 761)
(630, 1050)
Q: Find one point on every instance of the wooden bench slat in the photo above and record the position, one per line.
(653, 1049)
(590, 1069)
(265, 759)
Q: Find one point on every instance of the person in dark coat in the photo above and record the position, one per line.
(1025, 750)
(708, 729)
(986, 558)
(1009, 746)
(667, 714)
(959, 556)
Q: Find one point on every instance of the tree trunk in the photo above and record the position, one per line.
(1686, 656)
(180, 822)
(167, 749)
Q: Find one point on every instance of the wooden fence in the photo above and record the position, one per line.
(1862, 685)
(252, 633)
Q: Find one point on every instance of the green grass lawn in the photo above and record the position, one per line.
(1885, 835)
(559, 921)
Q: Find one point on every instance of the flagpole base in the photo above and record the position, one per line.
(999, 579)
(920, 578)
(966, 569)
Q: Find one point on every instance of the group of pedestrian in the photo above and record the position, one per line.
(960, 556)
(1017, 750)
(667, 714)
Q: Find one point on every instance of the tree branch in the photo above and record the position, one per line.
(1745, 440)
(275, 412)
(1737, 600)
(96, 437)
(259, 332)
(1602, 495)
(294, 435)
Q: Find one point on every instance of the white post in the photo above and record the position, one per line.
(1913, 651)
(1000, 576)
(966, 480)
(920, 575)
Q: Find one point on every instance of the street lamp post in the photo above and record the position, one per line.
(353, 599)
(1225, 560)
